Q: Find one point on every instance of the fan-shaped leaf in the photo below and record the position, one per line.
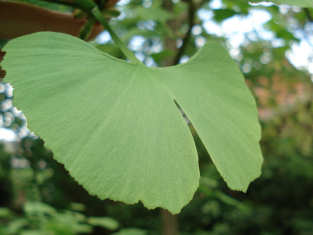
(115, 125)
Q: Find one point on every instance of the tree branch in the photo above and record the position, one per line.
(2, 72)
(192, 9)
(17, 19)
(2, 54)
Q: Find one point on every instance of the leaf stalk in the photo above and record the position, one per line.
(91, 8)
(98, 15)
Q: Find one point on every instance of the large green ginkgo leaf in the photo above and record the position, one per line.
(299, 3)
(115, 125)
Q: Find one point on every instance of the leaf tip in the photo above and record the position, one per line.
(243, 187)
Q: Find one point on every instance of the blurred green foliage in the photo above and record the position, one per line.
(40, 218)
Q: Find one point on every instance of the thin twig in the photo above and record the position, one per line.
(191, 22)
(2, 72)
(91, 8)
(87, 28)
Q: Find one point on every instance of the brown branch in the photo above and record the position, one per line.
(192, 9)
(17, 19)
(2, 72)
(2, 54)
(173, 25)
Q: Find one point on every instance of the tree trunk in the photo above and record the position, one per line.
(169, 223)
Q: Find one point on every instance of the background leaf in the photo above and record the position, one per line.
(300, 3)
(104, 222)
(131, 231)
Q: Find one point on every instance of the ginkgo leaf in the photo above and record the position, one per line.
(299, 3)
(115, 125)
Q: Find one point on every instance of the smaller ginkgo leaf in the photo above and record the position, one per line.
(115, 125)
